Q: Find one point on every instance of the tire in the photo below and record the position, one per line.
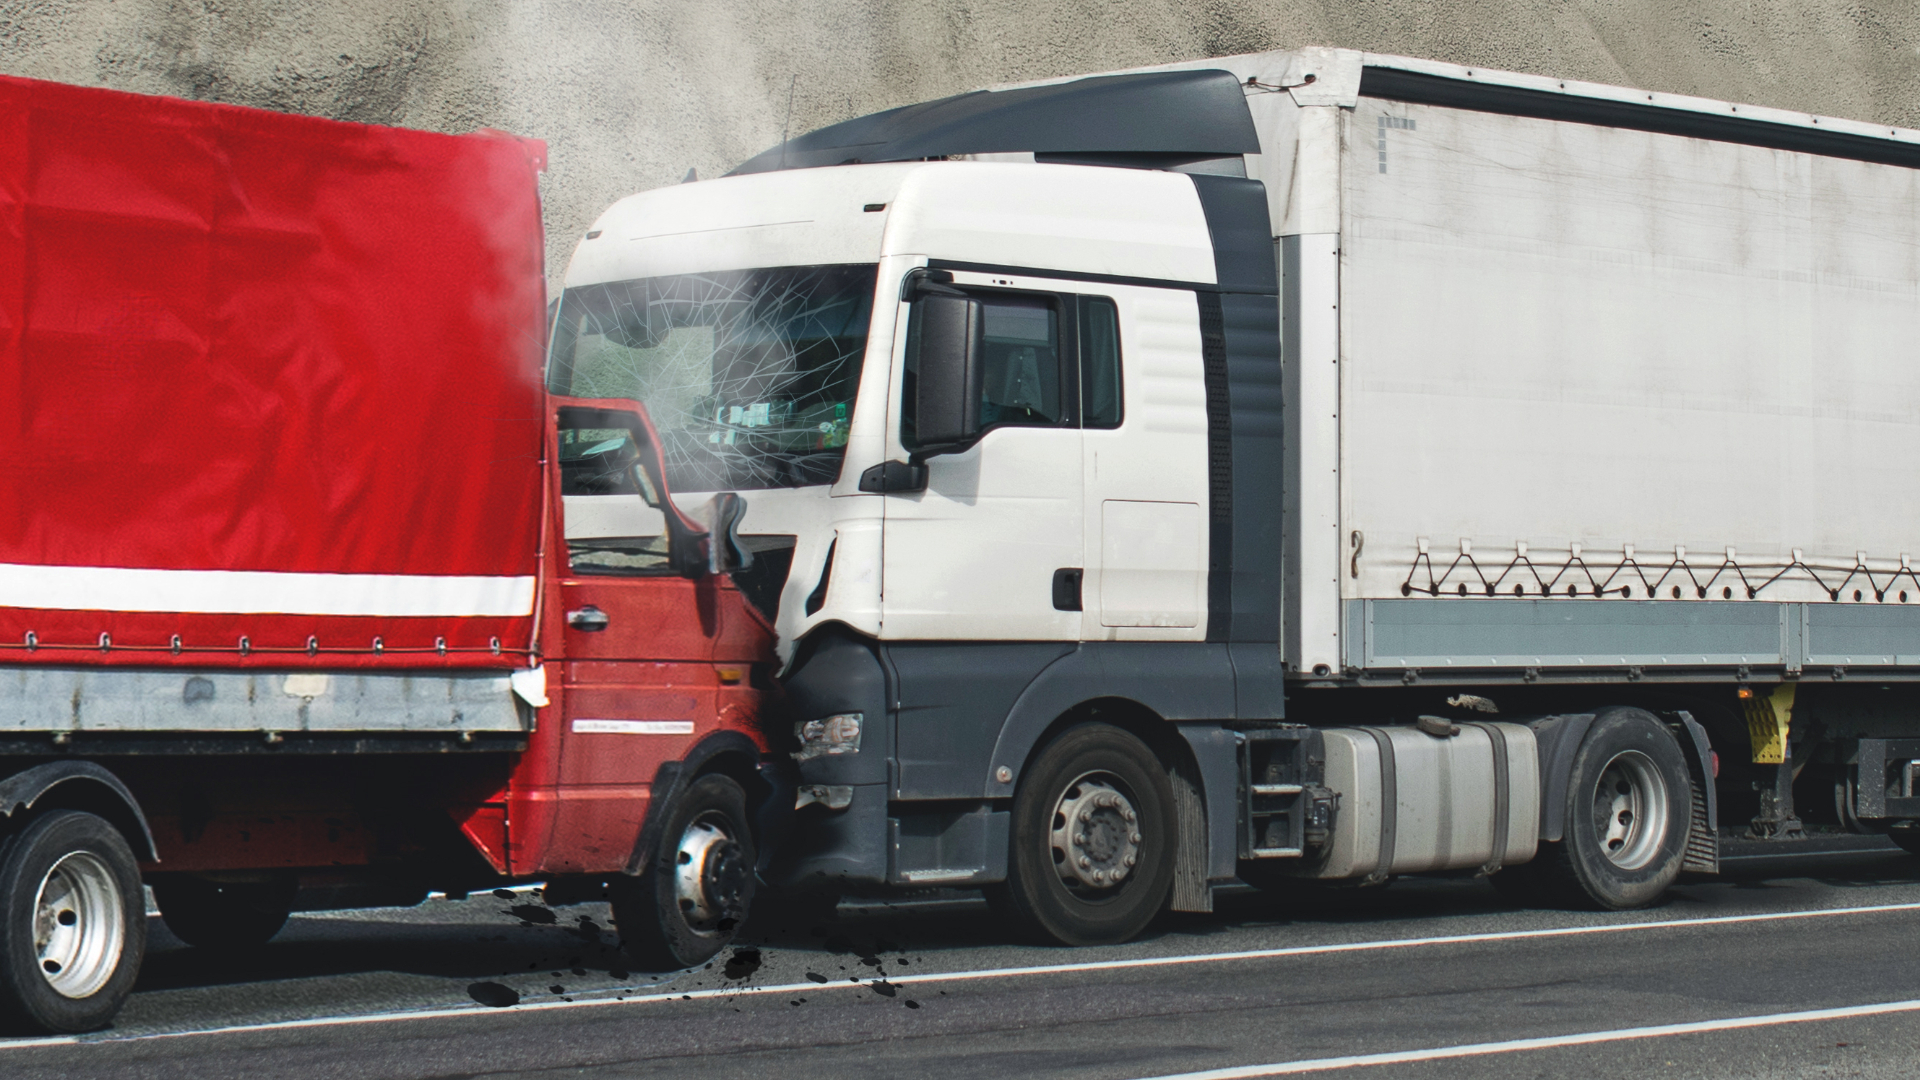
(689, 903)
(73, 923)
(1907, 836)
(1111, 782)
(1629, 806)
(224, 916)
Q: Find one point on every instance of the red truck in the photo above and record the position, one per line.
(311, 595)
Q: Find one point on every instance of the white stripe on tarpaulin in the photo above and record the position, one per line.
(261, 592)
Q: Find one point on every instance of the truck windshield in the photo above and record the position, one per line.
(749, 375)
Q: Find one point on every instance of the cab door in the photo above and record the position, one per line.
(992, 549)
(640, 682)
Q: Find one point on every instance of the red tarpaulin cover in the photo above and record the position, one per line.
(264, 377)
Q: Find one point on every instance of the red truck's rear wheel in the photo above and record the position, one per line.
(684, 907)
(73, 923)
(224, 915)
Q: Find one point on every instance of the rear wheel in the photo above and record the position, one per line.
(1629, 806)
(1907, 835)
(689, 902)
(73, 923)
(224, 915)
(1091, 854)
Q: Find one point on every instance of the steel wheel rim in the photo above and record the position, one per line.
(1630, 810)
(708, 873)
(1094, 834)
(79, 925)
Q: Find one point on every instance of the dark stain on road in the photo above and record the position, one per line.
(743, 963)
(532, 913)
(493, 994)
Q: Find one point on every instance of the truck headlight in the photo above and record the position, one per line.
(829, 735)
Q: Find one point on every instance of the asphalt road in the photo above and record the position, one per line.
(1783, 967)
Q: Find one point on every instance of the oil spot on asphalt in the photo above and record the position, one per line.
(532, 913)
(911, 1004)
(493, 994)
(883, 988)
(618, 973)
(743, 963)
(556, 988)
(504, 894)
(815, 976)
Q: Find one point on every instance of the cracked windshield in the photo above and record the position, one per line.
(749, 375)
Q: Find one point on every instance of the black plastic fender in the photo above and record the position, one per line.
(1174, 680)
(673, 777)
(81, 785)
(1703, 840)
(1559, 739)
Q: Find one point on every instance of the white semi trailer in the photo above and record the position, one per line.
(1308, 465)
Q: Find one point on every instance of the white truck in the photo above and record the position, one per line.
(1305, 465)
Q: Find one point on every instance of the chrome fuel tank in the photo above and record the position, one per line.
(1412, 802)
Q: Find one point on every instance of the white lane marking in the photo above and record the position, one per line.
(1402, 1057)
(581, 1002)
(1815, 854)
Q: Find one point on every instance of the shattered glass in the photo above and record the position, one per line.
(749, 375)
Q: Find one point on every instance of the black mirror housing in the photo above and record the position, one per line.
(725, 552)
(950, 371)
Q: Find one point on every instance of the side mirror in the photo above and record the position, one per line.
(950, 371)
(725, 552)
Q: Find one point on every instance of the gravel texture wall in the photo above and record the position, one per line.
(630, 94)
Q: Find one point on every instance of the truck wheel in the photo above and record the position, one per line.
(1629, 806)
(73, 923)
(1090, 860)
(224, 915)
(1907, 835)
(689, 903)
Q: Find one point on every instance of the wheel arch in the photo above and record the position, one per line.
(77, 785)
(1147, 685)
(727, 753)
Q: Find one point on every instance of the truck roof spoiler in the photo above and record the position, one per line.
(1164, 118)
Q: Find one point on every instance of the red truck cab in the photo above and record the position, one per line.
(648, 767)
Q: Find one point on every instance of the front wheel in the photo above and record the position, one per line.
(1629, 806)
(73, 923)
(690, 900)
(1091, 854)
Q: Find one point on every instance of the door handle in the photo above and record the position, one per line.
(587, 620)
(1066, 588)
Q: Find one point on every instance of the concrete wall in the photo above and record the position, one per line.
(630, 94)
